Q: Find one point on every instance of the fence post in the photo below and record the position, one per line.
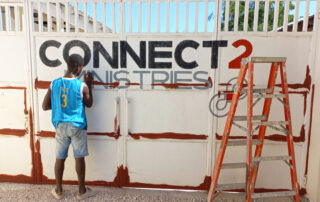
(313, 182)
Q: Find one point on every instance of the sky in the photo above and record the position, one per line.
(172, 15)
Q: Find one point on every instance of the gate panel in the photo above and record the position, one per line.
(168, 136)
(164, 163)
(16, 137)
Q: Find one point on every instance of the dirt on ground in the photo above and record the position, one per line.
(11, 192)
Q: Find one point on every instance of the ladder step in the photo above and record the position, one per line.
(273, 194)
(257, 90)
(268, 59)
(233, 165)
(255, 117)
(242, 142)
(271, 158)
(222, 187)
(269, 123)
(269, 95)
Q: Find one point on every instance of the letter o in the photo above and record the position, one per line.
(82, 45)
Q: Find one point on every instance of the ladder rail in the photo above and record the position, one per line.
(287, 115)
(227, 129)
(249, 133)
(262, 129)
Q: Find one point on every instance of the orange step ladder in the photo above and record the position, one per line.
(260, 122)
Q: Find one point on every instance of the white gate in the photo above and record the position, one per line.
(161, 69)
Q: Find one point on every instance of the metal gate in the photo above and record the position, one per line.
(161, 69)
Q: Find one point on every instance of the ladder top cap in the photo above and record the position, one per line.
(263, 60)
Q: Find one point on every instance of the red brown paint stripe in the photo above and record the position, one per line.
(13, 87)
(16, 178)
(309, 132)
(46, 84)
(41, 84)
(273, 137)
(112, 85)
(13, 132)
(132, 84)
(50, 134)
(177, 85)
(33, 157)
(122, 179)
(168, 135)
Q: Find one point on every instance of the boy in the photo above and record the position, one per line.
(67, 96)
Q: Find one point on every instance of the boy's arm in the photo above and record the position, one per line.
(46, 104)
(87, 92)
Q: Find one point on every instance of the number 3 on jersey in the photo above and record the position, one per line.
(64, 101)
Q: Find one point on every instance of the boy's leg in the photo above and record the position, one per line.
(81, 171)
(62, 146)
(80, 151)
(58, 170)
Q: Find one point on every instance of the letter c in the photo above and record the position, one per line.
(43, 56)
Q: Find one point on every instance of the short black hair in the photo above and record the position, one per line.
(75, 60)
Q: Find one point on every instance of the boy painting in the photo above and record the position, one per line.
(67, 96)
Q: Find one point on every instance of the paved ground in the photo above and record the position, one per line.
(10, 192)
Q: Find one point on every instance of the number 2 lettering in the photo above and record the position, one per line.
(236, 63)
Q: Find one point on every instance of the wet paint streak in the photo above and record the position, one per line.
(177, 85)
(25, 101)
(13, 88)
(116, 128)
(14, 132)
(168, 135)
(309, 132)
(123, 180)
(111, 134)
(33, 157)
(46, 84)
(112, 85)
(132, 84)
(46, 180)
(39, 166)
(46, 134)
(16, 178)
(273, 137)
(50, 134)
(210, 81)
(41, 84)
(224, 84)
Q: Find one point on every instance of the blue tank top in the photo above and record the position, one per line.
(67, 103)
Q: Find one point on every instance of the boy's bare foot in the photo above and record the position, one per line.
(88, 193)
(56, 194)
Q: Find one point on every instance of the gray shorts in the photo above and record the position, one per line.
(67, 133)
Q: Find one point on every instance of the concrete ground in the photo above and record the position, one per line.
(36, 193)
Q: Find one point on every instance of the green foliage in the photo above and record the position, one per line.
(251, 15)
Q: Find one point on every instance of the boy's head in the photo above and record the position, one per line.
(75, 64)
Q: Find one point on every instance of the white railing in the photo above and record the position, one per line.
(268, 15)
(11, 17)
(161, 16)
(65, 16)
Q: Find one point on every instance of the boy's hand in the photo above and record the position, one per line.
(88, 78)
